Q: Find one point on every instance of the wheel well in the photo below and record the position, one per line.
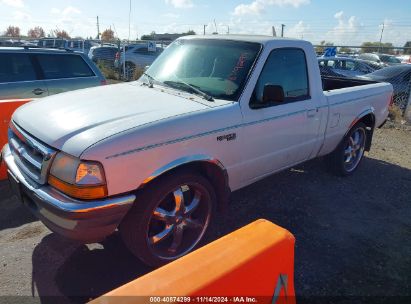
(369, 121)
(216, 175)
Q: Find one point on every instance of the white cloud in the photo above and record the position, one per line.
(258, 6)
(13, 3)
(180, 3)
(347, 31)
(300, 31)
(339, 15)
(69, 10)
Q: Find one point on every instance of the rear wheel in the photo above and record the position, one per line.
(348, 155)
(169, 219)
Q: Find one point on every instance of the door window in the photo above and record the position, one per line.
(16, 67)
(288, 69)
(58, 66)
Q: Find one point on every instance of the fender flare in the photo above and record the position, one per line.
(361, 116)
(370, 130)
(186, 160)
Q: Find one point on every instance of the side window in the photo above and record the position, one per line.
(63, 66)
(16, 67)
(331, 63)
(145, 51)
(288, 69)
(350, 66)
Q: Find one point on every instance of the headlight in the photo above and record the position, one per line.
(77, 178)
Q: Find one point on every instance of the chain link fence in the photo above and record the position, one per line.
(393, 66)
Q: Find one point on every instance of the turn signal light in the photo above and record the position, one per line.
(80, 192)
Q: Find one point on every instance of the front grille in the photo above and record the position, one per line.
(31, 156)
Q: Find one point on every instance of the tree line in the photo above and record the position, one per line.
(38, 32)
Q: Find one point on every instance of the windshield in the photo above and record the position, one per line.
(219, 68)
(389, 59)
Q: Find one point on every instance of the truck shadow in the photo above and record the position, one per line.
(350, 235)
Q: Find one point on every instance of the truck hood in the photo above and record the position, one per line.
(74, 121)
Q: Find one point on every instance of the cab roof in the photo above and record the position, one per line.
(262, 39)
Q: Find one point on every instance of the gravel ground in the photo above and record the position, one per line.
(353, 235)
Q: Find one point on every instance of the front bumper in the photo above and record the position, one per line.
(85, 221)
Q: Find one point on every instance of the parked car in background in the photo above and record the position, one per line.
(327, 71)
(83, 46)
(399, 76)
(136, 56)
(405, 59)
(35, 72)
(348, 67)
(382, 59)
(19, 42)
(105, 54)
(57, 43)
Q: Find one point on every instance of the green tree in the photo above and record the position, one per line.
(370, 47)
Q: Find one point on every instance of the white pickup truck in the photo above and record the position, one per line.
(156, 158)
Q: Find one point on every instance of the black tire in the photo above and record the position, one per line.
(141, 228)
(338, 161)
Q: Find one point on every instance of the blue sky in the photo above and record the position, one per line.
(340, 21)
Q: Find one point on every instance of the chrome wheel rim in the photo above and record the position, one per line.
(354, 150)
(179, 221)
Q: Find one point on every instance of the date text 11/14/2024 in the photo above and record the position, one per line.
(204, 299)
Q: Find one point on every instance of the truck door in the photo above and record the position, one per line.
(280, 134)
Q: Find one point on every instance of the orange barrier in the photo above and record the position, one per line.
(254, 264)
(7, 108)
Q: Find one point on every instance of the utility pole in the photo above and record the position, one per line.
(282, 30)
(382, 32)
(129, 23)
(205, 25)
(274, 32)
(98, 29)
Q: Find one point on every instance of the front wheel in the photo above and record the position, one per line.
(169, 219)
(348, 155)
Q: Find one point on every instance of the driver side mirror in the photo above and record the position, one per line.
(273, 93)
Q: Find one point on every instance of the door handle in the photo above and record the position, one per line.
(312, 112)
(38, 91)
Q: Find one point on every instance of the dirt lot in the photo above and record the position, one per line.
(353, 235)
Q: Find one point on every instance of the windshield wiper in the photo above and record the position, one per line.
(189, 86)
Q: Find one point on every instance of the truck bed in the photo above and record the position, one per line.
(334, 83)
